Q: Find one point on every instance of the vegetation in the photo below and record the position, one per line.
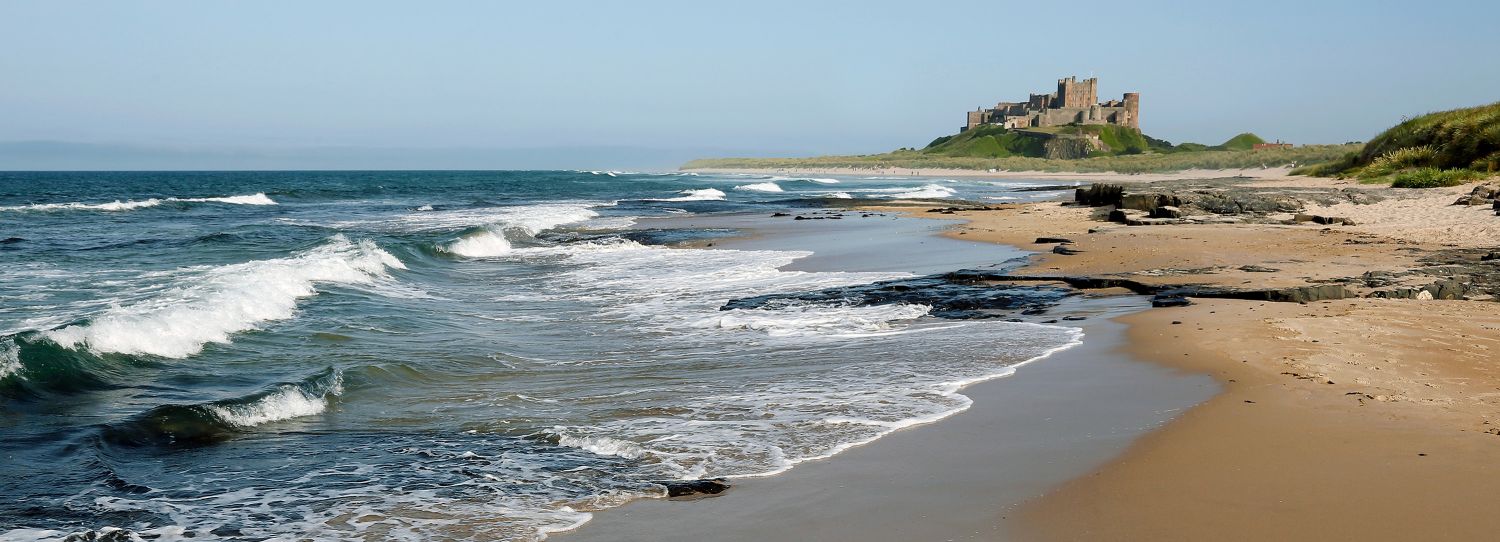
(1438, 149)
(994, 147)
(1431, 177)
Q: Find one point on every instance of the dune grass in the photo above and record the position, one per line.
(1446, 148)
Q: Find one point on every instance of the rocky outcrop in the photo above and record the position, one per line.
(1481, 195)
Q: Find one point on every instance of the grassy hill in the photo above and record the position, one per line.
(1437, 149)
(993, 147)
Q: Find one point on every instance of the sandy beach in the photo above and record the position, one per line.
(1360, 418)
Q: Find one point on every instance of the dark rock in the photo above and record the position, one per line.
(1065, 250)
(11, 240)
(1075, 318)
(1490, 257)
(696, 488)
(1050, 240)
(1320, 219)
(1147, 202)
(1118, 215)
(1166, 211)
(1170, 301)
(1099, 195)
(1258, 269)
(960, 295)
(774, 215)
(800, 217)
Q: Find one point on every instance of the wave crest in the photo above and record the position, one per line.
(258, 198)
(221, 301)
(760, 187)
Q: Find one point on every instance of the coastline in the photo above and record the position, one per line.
(1377, 418)
(959, 478)
(1252, 173)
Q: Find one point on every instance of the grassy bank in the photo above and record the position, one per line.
(1446, 148)
(1149, 162)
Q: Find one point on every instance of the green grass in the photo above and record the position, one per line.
(1429, 177)
(1242, 142)
(1425, 151)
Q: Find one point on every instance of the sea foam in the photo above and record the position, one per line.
(702, 194)
(286, 402)
(212, 304)
(117, 205)
(491, 240)
(760, 187)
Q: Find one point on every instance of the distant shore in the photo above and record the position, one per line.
(1254, 173)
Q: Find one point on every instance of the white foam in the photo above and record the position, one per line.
(118, 205)
(930, 191)
(702, 194)
(599, 445)
(491, 241)
(482, 244)
(210, 304)
(760, 187)
(839, 195)
(818, 319)
(10, 359)
(287, 402)
(252, 199)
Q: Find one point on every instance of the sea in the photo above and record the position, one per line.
(457, 355)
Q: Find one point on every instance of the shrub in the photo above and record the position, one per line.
(1429, 177)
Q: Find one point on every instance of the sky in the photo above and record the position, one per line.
(187, 81)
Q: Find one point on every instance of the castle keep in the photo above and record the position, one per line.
(1075, 102)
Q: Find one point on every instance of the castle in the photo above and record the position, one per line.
(1075, 102)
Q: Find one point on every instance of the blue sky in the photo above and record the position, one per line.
(748, 77)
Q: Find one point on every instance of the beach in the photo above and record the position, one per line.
(1356, 417)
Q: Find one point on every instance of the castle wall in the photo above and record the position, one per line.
(1074, 102)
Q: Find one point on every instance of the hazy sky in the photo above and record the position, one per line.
(803, 76)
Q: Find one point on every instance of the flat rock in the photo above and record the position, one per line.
(688, 489)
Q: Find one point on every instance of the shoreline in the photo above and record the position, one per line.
(1335, 418)
(963, 475)
(1250, 173)
(1035, 418)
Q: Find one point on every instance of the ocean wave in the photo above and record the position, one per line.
(214, 303)
(702, 194)
(491, 240)
(285, 402)
(10, 359)
(838, 195)
(207, 423)
(486, 243)
(929, 191)
(599, 445)
(760, 187)
(118, 205)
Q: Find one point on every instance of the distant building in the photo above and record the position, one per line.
(1075, 102)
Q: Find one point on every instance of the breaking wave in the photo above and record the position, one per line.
(490, 240)
(214, 303)
(760, 187)
(702, 194)
(930, 191)
(117, 205)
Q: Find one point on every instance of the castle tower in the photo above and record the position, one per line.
(1133, 109)
(1073, 93)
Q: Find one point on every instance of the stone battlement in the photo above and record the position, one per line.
(1075, 102)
